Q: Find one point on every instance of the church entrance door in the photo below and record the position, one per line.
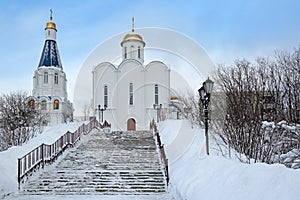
(131, 124)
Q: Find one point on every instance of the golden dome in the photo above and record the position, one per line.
(173, 98)
(133, 36)
(51, 25)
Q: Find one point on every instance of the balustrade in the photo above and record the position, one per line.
(47, 154)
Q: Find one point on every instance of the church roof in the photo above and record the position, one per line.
(50, 56)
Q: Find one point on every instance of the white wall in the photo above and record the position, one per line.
(143, 78)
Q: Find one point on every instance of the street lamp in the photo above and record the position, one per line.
(101, 110)
(204, 93)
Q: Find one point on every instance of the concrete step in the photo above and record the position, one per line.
(114, 163)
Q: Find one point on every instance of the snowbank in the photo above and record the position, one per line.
(196, 176)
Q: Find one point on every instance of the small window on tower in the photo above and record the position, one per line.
(44, 105)
(31, 103)
(139, 52)
(125, 53)
(131, 51)
(55, 78)
(56, 104)
(48, 32)
(46, 77)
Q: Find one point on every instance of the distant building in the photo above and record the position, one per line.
(268, 103)
(133, 92)
(50, 83)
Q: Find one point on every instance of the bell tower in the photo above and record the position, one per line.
(133, 46)
(49, 80)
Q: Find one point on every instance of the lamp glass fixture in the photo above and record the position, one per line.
(208, 86)
(201, 93)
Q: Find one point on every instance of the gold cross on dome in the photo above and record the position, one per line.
(132, 24)
(51, 14)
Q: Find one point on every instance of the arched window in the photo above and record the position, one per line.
(139, 52)
(105, 94)
(44, 105)
(56, 104)
(156, 94)
(125, 53)
(46, 77)
(130, 93)
(55, 78)
(31, 103)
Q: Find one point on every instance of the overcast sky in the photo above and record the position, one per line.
(227, 30)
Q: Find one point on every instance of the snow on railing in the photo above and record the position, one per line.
(47, 154)
(164, 160)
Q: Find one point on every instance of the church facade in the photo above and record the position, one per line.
(50, 83)
(132, 92)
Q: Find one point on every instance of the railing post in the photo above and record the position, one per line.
(25, 163)
(167, 170)
(37, 155)
(73, 141)
(43, 156)
(61, 142)
(29, 161)
(19, 173)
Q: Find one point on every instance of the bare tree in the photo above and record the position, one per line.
(20, 120)
(242, 122)
(190, 108)
(289, 63)
(254, 93)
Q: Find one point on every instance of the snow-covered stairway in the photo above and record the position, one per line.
(104, 163)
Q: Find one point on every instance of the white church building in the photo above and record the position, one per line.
(132, 92)
(50, 83)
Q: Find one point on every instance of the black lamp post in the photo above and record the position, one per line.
(204, 93)
(99, 109)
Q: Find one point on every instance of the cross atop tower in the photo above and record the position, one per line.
(51, 14)
(132, 24)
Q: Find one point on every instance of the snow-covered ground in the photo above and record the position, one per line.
(193, 174)
(197, 176)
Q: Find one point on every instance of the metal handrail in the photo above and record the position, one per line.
(164, 160)
(47, 154)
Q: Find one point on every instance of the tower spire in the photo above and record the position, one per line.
(132, 24)
(50, 56)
